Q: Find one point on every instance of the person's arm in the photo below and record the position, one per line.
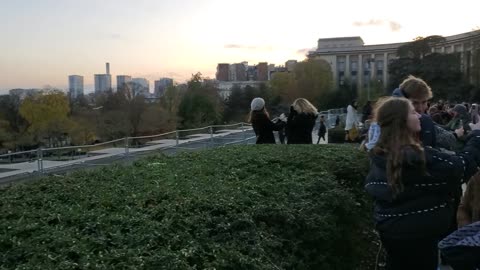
(464, 216)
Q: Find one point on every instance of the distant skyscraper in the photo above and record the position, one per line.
(103, 82)
(75, 86)
(141, 86)
(162, 85)
(222, 72)
(122, 81)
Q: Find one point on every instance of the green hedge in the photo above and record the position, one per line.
(242, 207)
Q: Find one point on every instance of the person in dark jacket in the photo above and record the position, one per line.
(261, 123)
(367, 111)
(322, 130)
(418, 92)
(411, 186)
(301, 121)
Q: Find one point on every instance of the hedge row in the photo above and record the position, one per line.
(243, 207)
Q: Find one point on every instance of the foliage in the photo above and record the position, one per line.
(311, 79)
(201, 105)
(47, 116)
(250, 207)
(441, 71)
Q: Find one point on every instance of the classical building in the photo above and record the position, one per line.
(352, 60)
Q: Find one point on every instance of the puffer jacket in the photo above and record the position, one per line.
(425, 206)
(299, 128)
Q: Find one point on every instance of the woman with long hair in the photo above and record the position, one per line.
(301, 121)
(412, 186)
(261, 123)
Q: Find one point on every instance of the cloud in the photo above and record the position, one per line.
(394, 26)
(248, 47)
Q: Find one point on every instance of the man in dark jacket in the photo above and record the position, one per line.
(418, 92)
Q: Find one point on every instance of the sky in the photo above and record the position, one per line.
(44, 41)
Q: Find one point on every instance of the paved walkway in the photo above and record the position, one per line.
(33, 166)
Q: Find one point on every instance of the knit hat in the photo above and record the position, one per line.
(460, 109)
(257, 104)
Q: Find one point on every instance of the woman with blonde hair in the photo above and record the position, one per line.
(301, 121)
(411, 186)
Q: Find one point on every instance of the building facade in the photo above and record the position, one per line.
(75, 86)
(350, 59)
(103, 83)
(122, 81)
(162, 85)
(262, 71)
(222, 72)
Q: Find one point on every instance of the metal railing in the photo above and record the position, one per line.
(210, 136)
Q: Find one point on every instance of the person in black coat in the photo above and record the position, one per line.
(301, 121)
(411, 186)
(261, 123)
(322, 130)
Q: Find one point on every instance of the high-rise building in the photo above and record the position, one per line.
(141, 86)
(75, 86)
(122, 81)
(262, 71)
(103, 82)
(222, 72)
(162, 85)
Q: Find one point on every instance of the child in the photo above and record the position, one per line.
(322, 130)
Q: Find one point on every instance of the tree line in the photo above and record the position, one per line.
(51, 119)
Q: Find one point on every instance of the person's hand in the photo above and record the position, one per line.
(475, 126)
(459, 132)
(282, 117)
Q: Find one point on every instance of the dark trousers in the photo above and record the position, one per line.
(321, 136)
(411, 254)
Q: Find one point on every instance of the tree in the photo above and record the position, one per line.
(201, 105)
(314, 79)
(47, 116)
(419, 47)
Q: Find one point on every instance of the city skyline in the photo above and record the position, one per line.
(51, 39)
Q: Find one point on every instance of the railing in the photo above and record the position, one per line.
(210, 136)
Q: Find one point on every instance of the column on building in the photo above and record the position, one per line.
(348, 74)
(360, 72)
(385, 70)
(373, 66)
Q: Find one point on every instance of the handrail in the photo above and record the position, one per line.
(18, 153)
(116, 140)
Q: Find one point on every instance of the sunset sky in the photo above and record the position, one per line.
(44, 41)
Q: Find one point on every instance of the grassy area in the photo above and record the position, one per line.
(242, 207)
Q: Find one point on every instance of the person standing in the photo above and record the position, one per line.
(322, 130)
(301, 121)
(351, 123)
(411, 186)
(261, 123)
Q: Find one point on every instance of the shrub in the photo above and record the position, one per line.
(243, 207)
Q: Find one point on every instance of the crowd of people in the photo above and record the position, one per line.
(421, 154)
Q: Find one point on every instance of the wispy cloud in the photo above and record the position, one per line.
(248, 47)
(394, 26)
